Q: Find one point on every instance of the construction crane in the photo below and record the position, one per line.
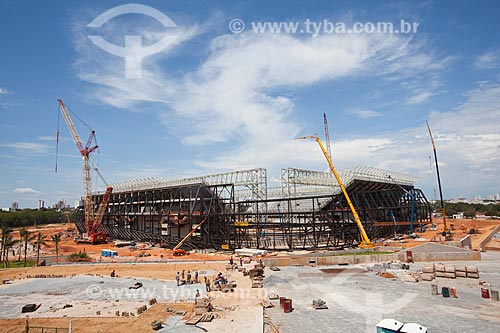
(327, 136)
(92, 222)
(445, 231)
(365, 241)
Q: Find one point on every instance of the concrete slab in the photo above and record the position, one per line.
(358, 300)
(88, 294)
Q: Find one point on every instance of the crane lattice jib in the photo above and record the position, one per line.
(87, 179)
(102, 209)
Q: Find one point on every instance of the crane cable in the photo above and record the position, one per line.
(57, 136)
(58, 126)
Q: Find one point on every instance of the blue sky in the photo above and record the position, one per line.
(215, 101)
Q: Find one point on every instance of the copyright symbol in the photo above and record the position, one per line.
(236, 26)
(93, 291)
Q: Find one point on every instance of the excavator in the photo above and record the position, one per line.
(92, 223)
(365, 241)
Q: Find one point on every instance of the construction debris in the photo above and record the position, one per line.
(207, 317)
(156, 325)
(408, 276)
(141, 309)
(136, 285)
(257, 284)
(273, 296)
(194, 320)
(387, 275)
(267, 305)
(256, 272)
(319, 304)
(202, 305)
(30, 307)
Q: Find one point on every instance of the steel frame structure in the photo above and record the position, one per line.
(166, 214)
(308, 211)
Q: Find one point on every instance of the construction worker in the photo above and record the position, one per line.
(231, 261)
(241, 261)
(207, 284)
(177, 278)
(182, 274)
(113, 274)
(197, 293)
(196, 277)
(189, 277)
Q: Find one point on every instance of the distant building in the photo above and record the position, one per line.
(41, 204)
(14, 206)
(61, 204)
(457, 200)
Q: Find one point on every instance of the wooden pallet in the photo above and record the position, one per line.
(194, 320)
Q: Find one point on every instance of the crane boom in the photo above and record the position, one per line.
(189, 234)
(443, 211)
(327, 137)
(365, 241)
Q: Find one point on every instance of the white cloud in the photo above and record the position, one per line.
(47, 138)
(467, 140)
(51, 138)
(365, 114)
(487, 60)
(25, 190)
(419, 98)
(5, 91)
(236, 96)
(27, 146)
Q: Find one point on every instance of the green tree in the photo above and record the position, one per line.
(25, 218)
(26, 238)
(39, 241)
(57, 239)
(6, 231)
(9, 243)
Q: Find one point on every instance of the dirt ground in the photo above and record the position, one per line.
(100, 325)
(68, 246)
(245, 310)
(144, 270)
(483, 226)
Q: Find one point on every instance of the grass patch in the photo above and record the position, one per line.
(364, 253)
(79, 256)
(19, 264)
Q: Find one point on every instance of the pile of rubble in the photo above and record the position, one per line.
(395, 264)
(203, 311)
(256, 274)
(319, 304)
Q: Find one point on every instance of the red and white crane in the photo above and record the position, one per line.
(92, 222)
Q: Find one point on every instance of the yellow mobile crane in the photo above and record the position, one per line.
(177, 251)
(365, 241)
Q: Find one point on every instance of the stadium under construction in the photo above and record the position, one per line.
(308, 210)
